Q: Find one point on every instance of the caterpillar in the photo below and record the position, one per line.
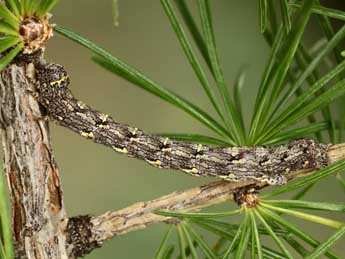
(262, 164)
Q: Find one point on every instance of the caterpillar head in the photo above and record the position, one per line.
(51, 78)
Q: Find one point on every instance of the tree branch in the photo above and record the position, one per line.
(38, 213)
(140, 215)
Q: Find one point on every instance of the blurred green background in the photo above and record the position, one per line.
(95, 179)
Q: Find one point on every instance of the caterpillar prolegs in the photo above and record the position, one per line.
(262, 164)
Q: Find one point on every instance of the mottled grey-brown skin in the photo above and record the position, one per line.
(263, 164)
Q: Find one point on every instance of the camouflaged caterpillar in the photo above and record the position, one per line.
(269, 165)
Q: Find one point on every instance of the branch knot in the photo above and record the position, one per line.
(79, 236)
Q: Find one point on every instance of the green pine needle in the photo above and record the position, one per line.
(4, 61)
(45, 7)
(182, 242)
(116, 13)
(244, 239)
(2, 250)
(235, 240)
(237, 90)
(187, 48)
(263, 15)
(332, 13)
(232, 119)
(164, 244)
(152, 87)
(273, 235)
(255, 234)
(9, 17)
(14, 6)
(8, 42)
(306, 216)
(308, 108)
(208, 252)
(297, 133)
(341, 181)
(296, 110)
(117, 66)
(285, 15)
(307, 205)
(321, 249)
(223, 225)
(298, 231)
(7, 29)
(191, 245)
(269, 93)
(337, 38)
(229, 233)
(194, 31)
(6, 243)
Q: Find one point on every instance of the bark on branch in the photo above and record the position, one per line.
(38, 214)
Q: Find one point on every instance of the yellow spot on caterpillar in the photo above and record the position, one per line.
(70, 107)
(59, 81)
(133, 139)
(103, 117)
(191, 171)
(241, 161)
(133, 131)
(234, 151)
(199, 148)
(155, 162)
(121, 150)
(87, 134)
(231, 176)
(166, 149)
(165, 142)
(102, 126)
(81, 105)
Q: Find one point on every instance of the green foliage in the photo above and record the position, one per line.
(117, 66)
(322, 248)
(263, 15)
(332, 13)
(6, 243)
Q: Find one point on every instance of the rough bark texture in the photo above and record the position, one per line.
(38, 214)
(141, 215)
